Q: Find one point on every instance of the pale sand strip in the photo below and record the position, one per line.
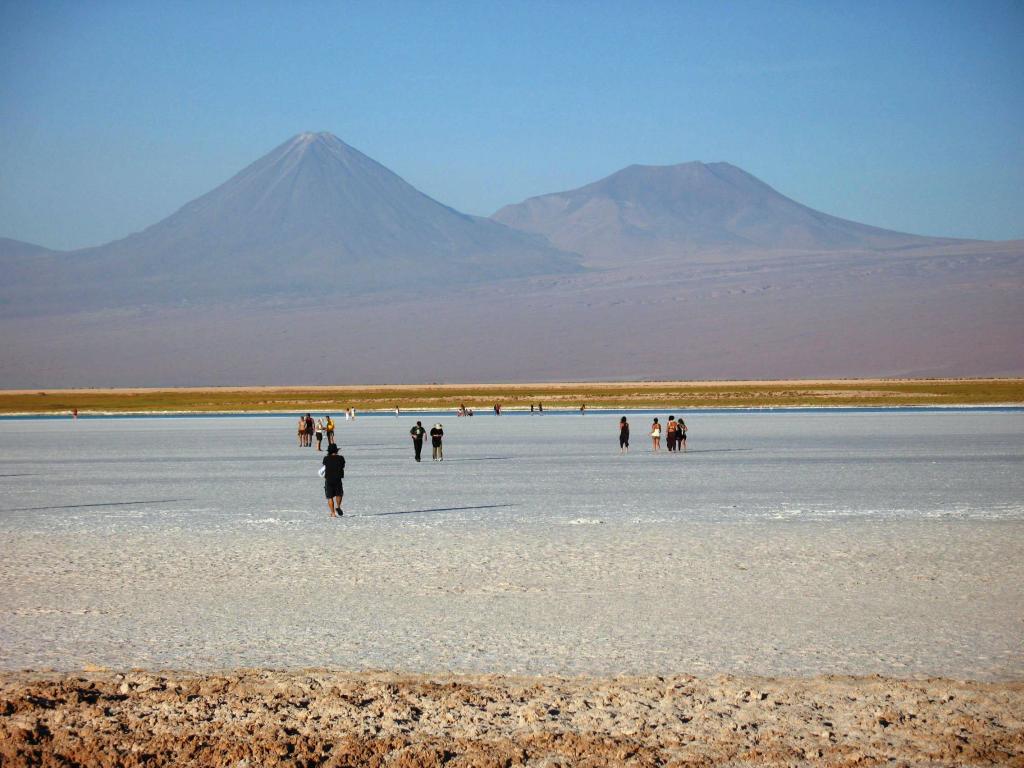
(256, 718)
(583, 386)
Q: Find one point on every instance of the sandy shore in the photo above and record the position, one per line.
(251, 718)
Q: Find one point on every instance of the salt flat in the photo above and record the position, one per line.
(781, 544)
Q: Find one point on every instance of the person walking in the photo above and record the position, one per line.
(671, 434)
(319, 434)
(329, 428)
(334, 474)
(681, 434)
(623, 435)
(655, 435)
(436, 435)
(417, 434)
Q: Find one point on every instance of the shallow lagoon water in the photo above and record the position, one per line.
(788, 543)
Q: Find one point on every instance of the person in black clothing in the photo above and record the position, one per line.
(623, 435)
(334, 472)
(435, 438)
(417, 434)
(309, 431)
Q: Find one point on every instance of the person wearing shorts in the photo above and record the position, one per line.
(334, 475)
(319, 434)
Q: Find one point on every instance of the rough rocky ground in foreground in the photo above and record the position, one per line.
(255, 718)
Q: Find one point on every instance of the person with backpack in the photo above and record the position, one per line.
(417, 434)
(334, 474)
(436, 435)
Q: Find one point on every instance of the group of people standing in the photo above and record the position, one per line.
(675, 434)
(308, 429)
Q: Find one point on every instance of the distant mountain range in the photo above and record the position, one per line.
(318, 265)
(646, 210)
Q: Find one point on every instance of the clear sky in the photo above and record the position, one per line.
(906, 115)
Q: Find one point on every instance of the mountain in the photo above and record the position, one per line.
(313, 217)
(16, 249)
(646, 210)
(316, 265)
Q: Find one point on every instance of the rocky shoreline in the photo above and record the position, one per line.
(319, 717)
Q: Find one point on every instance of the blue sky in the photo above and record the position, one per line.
(907, 115)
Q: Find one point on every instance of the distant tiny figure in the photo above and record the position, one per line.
(353, 412)
(417, 434)
(681, 433)
(398, 411)
(531, 407)
(74, 414)
(497, 409)
(319, 434)
(655, 435)
(623, 435)
(329, 427)
(436, 435)
(583, 409)
(540, 407)
(348, 414)
(670, 434)
(334, 473)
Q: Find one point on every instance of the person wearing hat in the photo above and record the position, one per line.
(435, 438)
(334, 473)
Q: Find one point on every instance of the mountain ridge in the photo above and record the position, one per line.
(652, 210)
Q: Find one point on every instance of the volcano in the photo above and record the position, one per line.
(646, 210)
(312, 217)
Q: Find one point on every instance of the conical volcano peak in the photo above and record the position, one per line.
(310, 139)
(313, 212)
